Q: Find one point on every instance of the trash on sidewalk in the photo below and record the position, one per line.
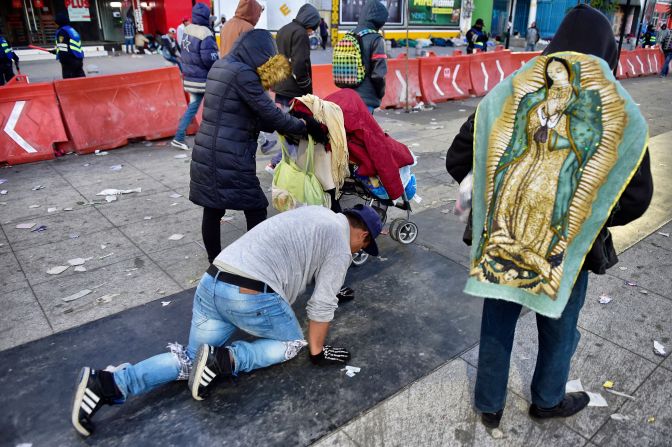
(147, 218)
(605, 299)
(175, 195)
(3, 192)
(106, 298)
(225, 219)
(3, 180)
(644, 292)
(659, 348)
(116, 167)
(618, 393)
(175, 237)
(664, 234)
(52, 210)
(165, 303)
(67, 209)
(78, 261)
(57, 270)
(497, 433)
(178, 156)
(651, 419)
(39, 229)
(73, 235)
(437, 127)
(80, 268)
(596, 400)
(26, 226)
(619, 417)
(105, 256)
(622, 268)
(116, 192)
(110, 198)
(351, 371)
(38, 187)
(99, 152)
(77, 295)
(608, 384)
(34, 206)
(630, 283)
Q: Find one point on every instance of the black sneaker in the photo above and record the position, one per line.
(570, 405)
(209, 363)
(95, 388)
(492, 420)
(345, 294)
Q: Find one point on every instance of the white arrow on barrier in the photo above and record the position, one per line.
(436, 81)
(632, 67)
(620, 69)
(641, 65)
(11, 124)
(501, 72)
(655, 59)
(485, 73)
(457, 70)
(648, 60)
(402, 94)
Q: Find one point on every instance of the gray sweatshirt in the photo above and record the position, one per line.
(289, 250)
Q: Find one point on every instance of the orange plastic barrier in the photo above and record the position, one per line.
(634, 64)
(104, 112)
(395, 83)
(18, 79)
(489, 69)
(323, 81)
(651, 59)
(520, 59)
(31, 123)
(444, 78)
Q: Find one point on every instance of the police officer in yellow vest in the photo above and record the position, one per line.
(477, 37)
(7, 55)
(69, 48)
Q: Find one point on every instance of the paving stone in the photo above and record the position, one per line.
(648, 266)
(18, 207)
(73, 170)
(131, 208)
(136, 280)
(187, 263)
(12, 276)
(443, 232)
(659, 240)
(652, 399)
(21, 319)
(81, 221)
(437, 411)
(632, 320)
(37, 260)
(668, 362)
(336, 439)
(141, 180)
(4, 243)
(152, 235)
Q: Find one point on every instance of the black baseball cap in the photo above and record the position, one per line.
(372, 221)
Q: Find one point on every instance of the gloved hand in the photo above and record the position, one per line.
(345, 294)
(330, 355)
(315, 130)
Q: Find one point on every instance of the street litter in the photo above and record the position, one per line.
(605, 299)
(106, 256)
(225, 219)
(67, 209)
(34, 206)
(619, 417)
(52, 210)
(617, 393)
(148, 217)
(3, 180)
(115, 168)
(173, 204)
(381, 259)
(651, 419)
(160, 292)
(102, 247)
(110, 198)
(497, 433)
(622, 268)
(175, 195)
(38, 187)
(116, 192)
(608, 384)
(39, 229)
(178, 156)
(350, 371)
(165, 303)
(446, 211)
(644, 292)
(433, 127)
(77, 295)
(73, 235)
(574, 386)
(630, 283)
(3, 192)
(659, 349)
(596, 400)
(664, 234)
(462, 110)
(106, 298)
(80, 268)
(58, 269)
(99, 152)
(175, 237)
(415, 145)
(25, 226)
(417, 199)
(78, 261)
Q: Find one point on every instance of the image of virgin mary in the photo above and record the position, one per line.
(556, 131)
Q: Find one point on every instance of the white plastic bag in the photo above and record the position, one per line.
(463, 203)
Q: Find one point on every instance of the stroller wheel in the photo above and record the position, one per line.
(360, 258)
(394, 228)
(407, 232)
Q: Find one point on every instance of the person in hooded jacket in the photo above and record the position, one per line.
(293, 43)
(199, 52)
(583, 30)
(237, 107)
(68, 49)
(372, 18)
(246, 18)
(477, 37)
(7, 56)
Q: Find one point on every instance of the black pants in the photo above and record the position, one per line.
(211, 225)
(6, 73)
(72, 68)
(324, 41)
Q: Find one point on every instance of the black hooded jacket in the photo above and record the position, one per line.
(583, 30)
(373, 17)
(293, 42)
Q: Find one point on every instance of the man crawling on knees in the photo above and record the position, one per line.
(251, 286)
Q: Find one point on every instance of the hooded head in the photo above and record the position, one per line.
(479, 23)
(250, 11)
(308, 17)
(373, 15)
(585, 30)
(200, 14)
(257, 49)
(62, 18)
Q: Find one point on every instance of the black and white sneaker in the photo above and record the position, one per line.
(94, 389)
(210, 362)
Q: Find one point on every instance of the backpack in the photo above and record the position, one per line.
(348, 67)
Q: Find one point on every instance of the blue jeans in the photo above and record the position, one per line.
(219, 309)
(130, 43)
(170, 58)
(194, 103)
(558, 340)
(666, 64)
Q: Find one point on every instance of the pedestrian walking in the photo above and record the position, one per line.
(180, 31)
(324, 33)
(69, 48)
(532, 37)
(260, 274)
(141, 41)
(7, 57)
(665, 39)
(129, 32)
(237, 106)
(246, 18)
(477, 37)
(542, 200)
(199, 52)
(169, 49)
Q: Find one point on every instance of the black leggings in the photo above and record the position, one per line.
(211, 225)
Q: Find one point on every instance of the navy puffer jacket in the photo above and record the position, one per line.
(223, 164)
(199, 49)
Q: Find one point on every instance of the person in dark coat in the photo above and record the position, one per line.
(324, 33)
(477, 37)
(68, 49)
(293, 43)
(7, 56)
(237, 107)
(199, 52)
(584, 30)
(372, 18)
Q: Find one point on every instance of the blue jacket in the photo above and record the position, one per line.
(68, 43)
(7, 54)
(373, 17)
(236, 108)
(199, 49)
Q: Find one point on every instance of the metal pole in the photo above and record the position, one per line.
(509, 25)
(639, 25)
(620, 40)
(408, 102)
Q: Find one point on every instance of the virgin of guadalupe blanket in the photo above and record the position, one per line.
(555, 145)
